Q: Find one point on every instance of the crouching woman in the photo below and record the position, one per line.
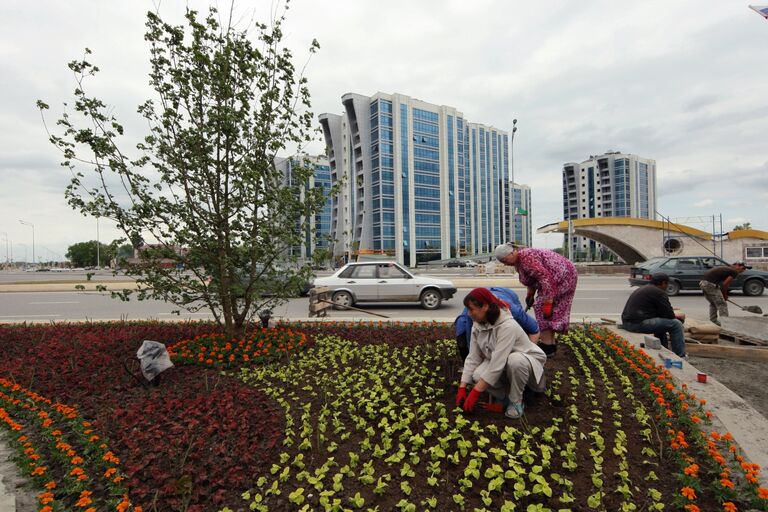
(502, 359)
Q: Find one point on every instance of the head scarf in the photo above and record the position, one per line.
(484, 296)
(504, 250)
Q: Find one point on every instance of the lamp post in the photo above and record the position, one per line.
(98, 260)
(512, 176)
(5, 237)
(33, 238)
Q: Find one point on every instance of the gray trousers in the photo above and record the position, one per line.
(714, 295)
(517, 374)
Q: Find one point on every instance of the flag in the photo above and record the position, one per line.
(520, 211)
(762, 10)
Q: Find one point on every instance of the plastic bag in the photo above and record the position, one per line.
(154, 359)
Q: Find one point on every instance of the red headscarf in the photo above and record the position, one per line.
(484, 296)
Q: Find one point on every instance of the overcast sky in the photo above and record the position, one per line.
(682, 82)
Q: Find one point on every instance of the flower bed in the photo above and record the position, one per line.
(355, 417)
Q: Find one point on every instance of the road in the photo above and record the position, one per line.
(596, 297)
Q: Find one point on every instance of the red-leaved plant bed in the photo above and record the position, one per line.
(188, 444)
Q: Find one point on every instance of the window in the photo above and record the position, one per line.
(390, 271)
(754, 253)
(364, 272)
(669, 264)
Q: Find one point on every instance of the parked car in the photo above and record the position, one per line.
(685, 272)
(471, 263)
(455, 263)
(378, 281)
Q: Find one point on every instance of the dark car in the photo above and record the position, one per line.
(455, 263)
(685, 272)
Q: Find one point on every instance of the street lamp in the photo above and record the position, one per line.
(5, 237)
(512, 175)
(33, 238)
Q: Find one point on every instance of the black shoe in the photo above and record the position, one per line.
(549, 349)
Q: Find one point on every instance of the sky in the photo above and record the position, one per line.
(682, 82)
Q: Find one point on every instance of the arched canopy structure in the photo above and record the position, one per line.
(636, 240)
(631, 239)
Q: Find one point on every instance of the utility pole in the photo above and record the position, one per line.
(98, 260)
(33, 239)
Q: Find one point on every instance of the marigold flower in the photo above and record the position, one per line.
(726, 483)
(692, 508)
(39, 470)
(762, 492)
(50, 485)
(729, 506)
(688, 492)
(77, 471)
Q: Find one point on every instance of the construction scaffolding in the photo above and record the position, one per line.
(671, 233)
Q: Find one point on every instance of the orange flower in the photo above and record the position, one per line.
(50, 485)
(108, 473)
(762, 492)
(726, 483)
(688, 492)
(692, 508)
(76, 472)
(729, 507)
(39, 470)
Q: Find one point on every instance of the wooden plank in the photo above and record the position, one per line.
(727, 352)
(742, 339)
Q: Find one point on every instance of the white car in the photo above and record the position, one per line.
(384, 281)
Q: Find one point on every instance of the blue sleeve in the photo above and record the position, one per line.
(527, 322)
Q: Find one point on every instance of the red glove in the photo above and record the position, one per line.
(461, 396)
(546, 309)
(471, 401)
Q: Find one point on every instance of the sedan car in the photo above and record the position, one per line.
(378, 281)
(455, 264)
(685, 272)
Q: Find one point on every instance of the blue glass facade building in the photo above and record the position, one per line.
(610, 185)
(427, 184)
(318, 232)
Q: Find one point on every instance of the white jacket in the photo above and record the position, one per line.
(494, 343)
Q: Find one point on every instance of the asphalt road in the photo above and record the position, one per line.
(596, 297)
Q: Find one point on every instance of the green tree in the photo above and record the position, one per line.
(202, 184)
(83, 254)
(741, 227)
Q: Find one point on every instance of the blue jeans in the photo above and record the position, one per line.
(659, 327)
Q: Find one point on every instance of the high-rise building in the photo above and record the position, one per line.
(318, 231)
(521, 231)
(611, 185)
(419, 182)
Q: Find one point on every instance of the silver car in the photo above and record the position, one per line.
(387, 281)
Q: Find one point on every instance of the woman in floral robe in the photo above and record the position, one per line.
(551, 281)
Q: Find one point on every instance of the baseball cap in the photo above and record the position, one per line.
(659, 277)
(742, 264)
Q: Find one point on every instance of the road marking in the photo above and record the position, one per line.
(25, 316)
(59, 302)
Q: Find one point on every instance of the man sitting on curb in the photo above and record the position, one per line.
(648, 311)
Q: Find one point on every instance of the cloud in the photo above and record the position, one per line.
(645, 78)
